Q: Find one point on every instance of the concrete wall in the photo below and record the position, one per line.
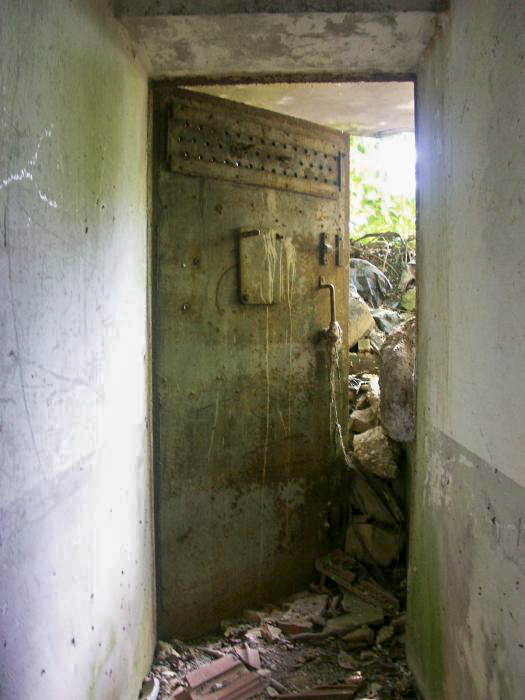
(76, 573)
(208, 47)
(467, 558)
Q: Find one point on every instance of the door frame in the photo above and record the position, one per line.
(249, 78)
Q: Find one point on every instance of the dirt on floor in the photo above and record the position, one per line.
(331, 640)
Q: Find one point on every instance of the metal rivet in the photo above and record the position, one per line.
(185, 307)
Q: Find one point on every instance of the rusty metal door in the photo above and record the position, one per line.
(246, 465)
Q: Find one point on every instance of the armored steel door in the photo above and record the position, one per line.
(246, 478)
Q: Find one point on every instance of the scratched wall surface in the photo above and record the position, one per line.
(467, 555)
(247, 475)
(76, 603)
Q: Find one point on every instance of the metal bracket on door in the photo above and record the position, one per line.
(338, 240)
(324, 248)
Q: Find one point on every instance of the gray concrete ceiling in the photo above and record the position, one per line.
(240, 45)
(369, 108)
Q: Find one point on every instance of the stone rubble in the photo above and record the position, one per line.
(382, 399)
(376, 453)
(354, 644)
(396, 381)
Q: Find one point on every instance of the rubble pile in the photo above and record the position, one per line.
(342, 637)
(381, 388)
(394, 255)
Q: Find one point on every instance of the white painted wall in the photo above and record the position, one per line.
(467, 636)
(76, 565)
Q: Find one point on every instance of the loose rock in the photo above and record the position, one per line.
(375, 498)
(386, 320)
(363, 362)
(361, 420)
(376, 453)
(360, 320)
(384, 634)
(349, 621)
(377, 338)
(359, 638)
(374, 544)
(347, 661)
(373, 393)
(397, 384)
(363, 613)
(369, 281)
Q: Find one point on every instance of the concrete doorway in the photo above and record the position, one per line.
(220, 575)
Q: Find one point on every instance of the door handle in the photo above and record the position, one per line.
(325, 285)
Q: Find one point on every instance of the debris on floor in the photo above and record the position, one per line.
(342, 638)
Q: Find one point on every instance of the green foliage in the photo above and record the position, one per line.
(373, 207)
